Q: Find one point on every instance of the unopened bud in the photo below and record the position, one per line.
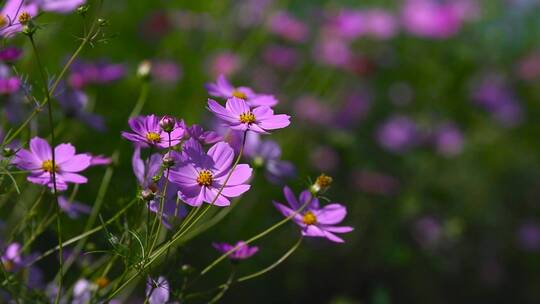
(8, 152)
(167, 123)
(144, 69)
(24, 18)
(187, 269)
(103, 22)
(168, 161)
(83, 9)
(321, 183)
(102, 282)
(148, 195)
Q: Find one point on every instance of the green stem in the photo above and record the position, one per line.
(142, 99)
(256, 237)
(274, 265)
(224, 287)
(87, 233)
(53, 144)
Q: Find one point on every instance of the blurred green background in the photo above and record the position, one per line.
(437, 219)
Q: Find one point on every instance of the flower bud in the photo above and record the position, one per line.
(24, 18)
(102, 22)
(322, 183)
(102, 282)
(29, 28)
(148, 195)
(187, 269)
(83, 9)
(8, 152)
(167, 123)
(168, 161)
(144, 69)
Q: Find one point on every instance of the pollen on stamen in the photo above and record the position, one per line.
(153, 137)
(205, 178)
(3, 20)
(48, 166)
(309, 218)
(239, 94)
(24, 18)
(247, 117)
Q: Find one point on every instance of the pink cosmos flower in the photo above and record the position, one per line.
(224, 63)
(239, 116)
(200, 175)
(314, 220)
(38, 160)
(224, 89)
(9, 16)
(147, 132)
(10, 54)
(243, 252)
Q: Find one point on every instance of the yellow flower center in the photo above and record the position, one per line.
(24, 17)
(102, 282)
(49, 167)
(247, 117)
(153, 137)
(324, 181)
(239, 94)
(309, 218)
(3, 20)
(205, 178)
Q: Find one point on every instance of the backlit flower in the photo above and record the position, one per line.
(315, 221)
(147, 132)
(199, 175)
(224, 89)
(38, 161)
(239, 116)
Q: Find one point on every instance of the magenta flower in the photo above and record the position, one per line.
(12, 258)
(204, 137)
(9, 85)
(224, 63)
(224, 89)
(9, 16)
(267, 153)
(38, 160)
(314, 220)
(147, 132)
(239, 116)
(10, 54)
(102, 72)
(200, 175)
(243, 252)
(60, 6)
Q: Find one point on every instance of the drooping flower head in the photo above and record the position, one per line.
(200, 175)
(38, 161)
(157, 291)
(147, 132)
(243, 252)
(224, 89)
(10, 14)
(239, 116)
(315, 221)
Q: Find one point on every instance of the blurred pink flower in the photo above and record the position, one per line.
(374, 182)
(436, 19)
(288, 27)
(224, 63)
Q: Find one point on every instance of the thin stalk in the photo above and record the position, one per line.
(256, 237)
(273, 265)
(87, 233)
(53, 145)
